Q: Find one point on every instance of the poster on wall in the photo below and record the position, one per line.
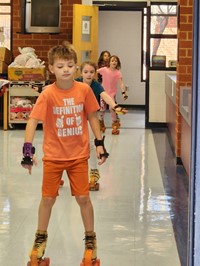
(86, 29)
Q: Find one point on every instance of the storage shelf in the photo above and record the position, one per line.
(21, 100)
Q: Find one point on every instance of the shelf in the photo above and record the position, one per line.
(22, 98)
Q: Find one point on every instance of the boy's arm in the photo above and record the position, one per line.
(28, 150)
(94, 124)
(108, 99)
(112, 103)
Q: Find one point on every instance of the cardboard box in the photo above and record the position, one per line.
(5, 55)
(3, 68)
(26, 74)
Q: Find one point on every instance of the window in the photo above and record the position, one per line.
(5, 23)
(163, 31)
(159, 34)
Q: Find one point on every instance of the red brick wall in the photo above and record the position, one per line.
(42, 42)
(184, 65)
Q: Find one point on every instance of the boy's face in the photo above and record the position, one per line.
(63, 69)
(88, 73)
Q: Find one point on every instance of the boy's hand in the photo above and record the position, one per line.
(102, 154)
(28, 156)
(29, 166)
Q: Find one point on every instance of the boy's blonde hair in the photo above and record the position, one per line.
(63, 51)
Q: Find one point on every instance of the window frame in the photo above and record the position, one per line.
(4, 3)
(160, 36)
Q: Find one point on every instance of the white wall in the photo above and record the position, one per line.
(120, 33)
(157, 95)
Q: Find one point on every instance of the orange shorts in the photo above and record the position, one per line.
(77, 171)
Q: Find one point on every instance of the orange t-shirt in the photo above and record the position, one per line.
(64, 117)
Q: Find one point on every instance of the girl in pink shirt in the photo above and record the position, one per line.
(111, 77)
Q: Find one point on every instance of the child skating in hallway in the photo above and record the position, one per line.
(102, 62)
(88, 71)
(64, 107)
(111, 77)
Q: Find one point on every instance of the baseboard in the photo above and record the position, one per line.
(155, 125)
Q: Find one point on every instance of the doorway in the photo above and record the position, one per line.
(120, 32)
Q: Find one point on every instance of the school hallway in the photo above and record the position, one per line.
(141, 209)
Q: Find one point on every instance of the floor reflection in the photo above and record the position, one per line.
(140, 209)
(176, 185)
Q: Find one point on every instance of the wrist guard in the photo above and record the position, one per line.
(101, 143)
(124, 95)
(28, 152)
(121, 110)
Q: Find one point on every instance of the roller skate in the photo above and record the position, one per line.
(94, 177)
(38, 249)
(118, 121)
(102, 126)
(115, 128)
(90, 254)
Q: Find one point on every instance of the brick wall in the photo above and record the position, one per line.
(184, 65)
(42, 42)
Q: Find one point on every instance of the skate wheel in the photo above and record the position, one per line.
(87, 260)
(94, 187)
(62, 182)
(115, 133)
(91, 263)
(44, 262)
(97, 186)
(96, 262)
(91, 186)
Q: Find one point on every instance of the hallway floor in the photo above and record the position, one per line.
(140, 209)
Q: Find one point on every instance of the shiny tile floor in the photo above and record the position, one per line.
(141, 219)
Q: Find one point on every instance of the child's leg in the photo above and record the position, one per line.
(44, 212)
(78, 176)
(87, 212)
(113, 115)
(115, 123)
(41, 236)
(87, 215)
(101, 115)
(51, 180)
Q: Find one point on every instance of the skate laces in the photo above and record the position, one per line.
(40, 239)
(95, 174)
(89, 242)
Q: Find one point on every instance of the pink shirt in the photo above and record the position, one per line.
(110, 79)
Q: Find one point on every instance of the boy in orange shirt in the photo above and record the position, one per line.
(64, 107)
